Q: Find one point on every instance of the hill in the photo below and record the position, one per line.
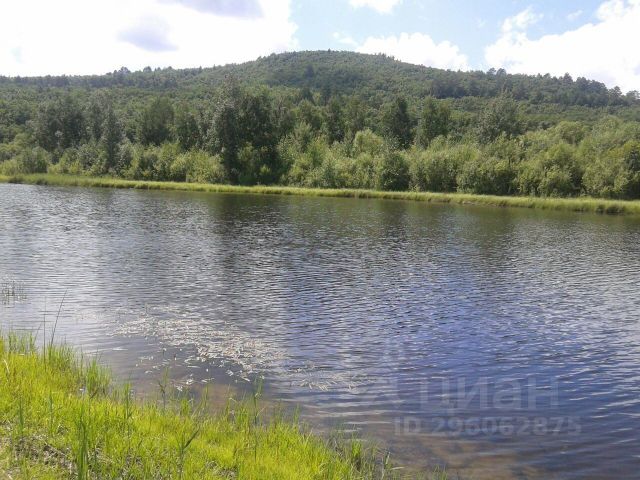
(307, 119)
(347, 73)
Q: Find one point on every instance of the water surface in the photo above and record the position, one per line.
(503, 343)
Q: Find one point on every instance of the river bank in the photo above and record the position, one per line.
(578, 204)
(61, 416)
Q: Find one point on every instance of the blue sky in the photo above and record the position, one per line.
(472, 25)
(593, 38)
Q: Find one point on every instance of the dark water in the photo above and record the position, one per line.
(503, 343)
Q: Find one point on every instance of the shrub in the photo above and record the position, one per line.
(365, 141)
(197, 166)
(392, 171)
(68, 163)
(489, 176)
(436, 169)
(34, 160)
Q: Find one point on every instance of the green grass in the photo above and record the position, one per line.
(578, 204)
(62, 417)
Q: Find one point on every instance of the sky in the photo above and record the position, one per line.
(597, 39)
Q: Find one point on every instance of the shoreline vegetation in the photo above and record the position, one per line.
(575, 204)
(62, 416)
(346, 122)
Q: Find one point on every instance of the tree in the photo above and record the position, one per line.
(156, 122)
(434, 121)
(397, 123)
(59, 124)
(187, 131)
(95, 115)
(259, 130)
(111, 138)
(334, 121)
(224, 135)
(355, 117)
(501, 117)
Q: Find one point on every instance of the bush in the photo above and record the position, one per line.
(68, 163)
(362, 173)
(437, 168)
(488, 176)
(9, 167)
(304, 170)
(142, 162)
(197, 166)
(365, 141)
(166, 156)
(615, 174)
(392, 172)
(552, 172)
(34, 160)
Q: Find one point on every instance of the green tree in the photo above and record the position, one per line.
(111, 138)
(355, 117)
(501, 117)
(156, 122)
(334, 120)
(59, 124)
(435, 120)
(224, 134)
(397, 123)
(95, 115)
(187, 130)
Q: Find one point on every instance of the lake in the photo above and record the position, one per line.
(502, 343)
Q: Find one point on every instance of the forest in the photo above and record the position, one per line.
(329, 120)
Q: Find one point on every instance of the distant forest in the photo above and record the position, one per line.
(329, 119)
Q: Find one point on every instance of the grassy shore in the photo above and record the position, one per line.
(61, 417)
(577, 204)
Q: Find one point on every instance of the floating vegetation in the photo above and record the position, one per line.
(12, 291)
(240, 353)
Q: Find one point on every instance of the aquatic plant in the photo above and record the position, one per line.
(61, 416)
(575, 204)
(12, 291)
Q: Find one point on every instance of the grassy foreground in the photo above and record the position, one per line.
(578, 204)
(60, 417)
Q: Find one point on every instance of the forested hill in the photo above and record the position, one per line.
(329, 119)
(372, 77)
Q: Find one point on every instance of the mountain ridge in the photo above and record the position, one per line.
(375, 76)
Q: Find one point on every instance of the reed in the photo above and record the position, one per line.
(574, 204)
(62, 417)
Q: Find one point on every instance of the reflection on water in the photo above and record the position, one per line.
(504, 343)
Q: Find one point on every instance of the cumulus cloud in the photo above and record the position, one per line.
(605, 50)
(419, 49)
(149, 33)
(94, 36)
(231, 8)
(521, 21)
(380, 6)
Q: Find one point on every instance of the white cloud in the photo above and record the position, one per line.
(345, 39)
(380, 6)
(96, 36)
(417, 48)
(606, 50)
(521, 21)
(574, 15)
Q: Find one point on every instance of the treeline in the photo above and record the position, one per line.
(249, 136)
(375, 78)
(287, 123)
